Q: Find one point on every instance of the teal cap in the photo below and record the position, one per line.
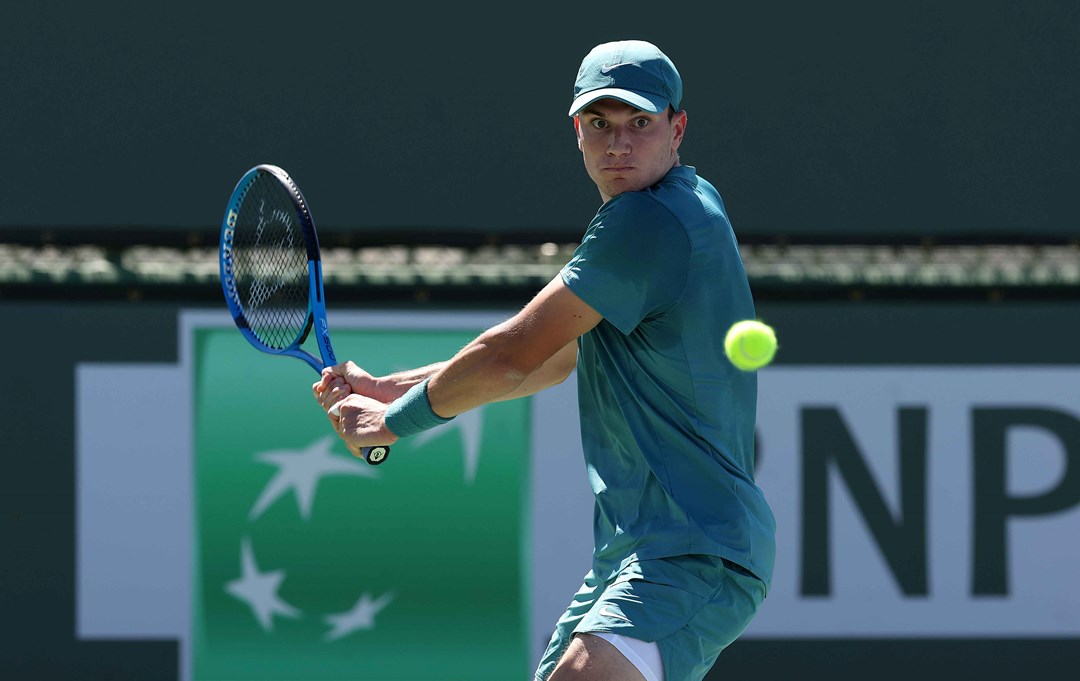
(631, 71)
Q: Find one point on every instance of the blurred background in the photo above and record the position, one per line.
(902, 179)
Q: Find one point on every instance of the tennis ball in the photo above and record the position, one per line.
(750, 344)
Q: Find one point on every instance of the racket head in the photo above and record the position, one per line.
(271, 270)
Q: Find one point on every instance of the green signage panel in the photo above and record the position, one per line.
(311, 565)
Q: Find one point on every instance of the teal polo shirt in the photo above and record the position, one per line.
(667, 423)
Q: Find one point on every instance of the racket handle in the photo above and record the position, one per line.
(373, 455)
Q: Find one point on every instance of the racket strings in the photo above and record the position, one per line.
(271, 266)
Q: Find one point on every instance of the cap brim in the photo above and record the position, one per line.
(638, 100)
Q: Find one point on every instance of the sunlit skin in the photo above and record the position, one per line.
(626, 149)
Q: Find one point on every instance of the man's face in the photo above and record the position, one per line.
(626, 149)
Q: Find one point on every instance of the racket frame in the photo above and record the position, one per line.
(316, 313)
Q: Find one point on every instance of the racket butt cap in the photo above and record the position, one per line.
(376, 455)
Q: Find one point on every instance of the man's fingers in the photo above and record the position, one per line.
(329, 375)
(336, 391)
(336, 370)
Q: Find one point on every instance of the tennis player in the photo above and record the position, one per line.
(684, 538)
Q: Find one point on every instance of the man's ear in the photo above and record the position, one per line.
(679, 121)
(577, 131)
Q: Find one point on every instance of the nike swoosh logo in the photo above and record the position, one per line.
(608, 612)
(609, 67)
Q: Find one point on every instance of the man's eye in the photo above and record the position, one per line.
(599, 124)
(641, 122)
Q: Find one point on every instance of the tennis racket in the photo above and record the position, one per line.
(271, 271)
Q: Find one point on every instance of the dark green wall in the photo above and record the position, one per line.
(812, 118)
(41, 348)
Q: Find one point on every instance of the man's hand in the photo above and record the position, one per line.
(359, 421)
(358, 381)
(330, 389)
(341, 380)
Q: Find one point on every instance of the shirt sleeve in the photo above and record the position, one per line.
(632, 263)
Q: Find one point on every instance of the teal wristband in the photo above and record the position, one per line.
(411, 413)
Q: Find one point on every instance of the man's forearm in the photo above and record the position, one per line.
(515, 358)
(551, 372)
(396, 385)
(483, 372)
(480, 373)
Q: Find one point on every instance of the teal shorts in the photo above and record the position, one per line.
(691, 606)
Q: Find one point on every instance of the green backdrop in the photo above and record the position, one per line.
(413, 569)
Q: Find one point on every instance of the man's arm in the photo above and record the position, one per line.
(552, 372)
(532, 350)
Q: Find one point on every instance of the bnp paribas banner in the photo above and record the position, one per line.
(312, 565)
(913, 502)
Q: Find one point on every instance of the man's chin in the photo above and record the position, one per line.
(618, 185)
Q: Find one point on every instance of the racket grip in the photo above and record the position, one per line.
(373, 455)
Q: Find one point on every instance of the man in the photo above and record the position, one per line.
(684, 540)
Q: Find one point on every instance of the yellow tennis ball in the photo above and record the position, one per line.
(750, 344)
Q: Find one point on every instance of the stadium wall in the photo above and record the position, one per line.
(841, 120)
(923, 461)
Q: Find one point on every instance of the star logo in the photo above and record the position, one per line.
(260, 589)
(301, 471)
(360, 617)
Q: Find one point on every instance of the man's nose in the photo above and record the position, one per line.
(619, 144)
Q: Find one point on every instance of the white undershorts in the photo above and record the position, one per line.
(644, 656)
